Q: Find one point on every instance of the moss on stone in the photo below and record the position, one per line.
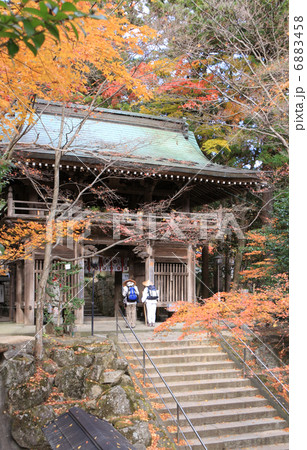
(78, 373)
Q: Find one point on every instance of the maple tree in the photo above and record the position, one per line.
(239, 317)
(29, 22)
(60, 72)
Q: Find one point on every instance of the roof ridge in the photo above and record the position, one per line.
(77, 108)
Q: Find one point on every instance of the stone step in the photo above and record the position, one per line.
(175, 343)
(88, 308)
(183, 367)
(180, 351)
(188, 358)
(88, 312)
(196, 375)
(242, 441)
(202, 385)
(281, 446)
(96, 314)
(231, 428)
(226, 404)
(228, 415)
(226, 410)
(211, 394)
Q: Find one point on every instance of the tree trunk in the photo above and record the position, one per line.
(267, 208)
(205, 272)
(237, 267)
(47, 260)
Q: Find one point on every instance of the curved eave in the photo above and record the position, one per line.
(209, 173)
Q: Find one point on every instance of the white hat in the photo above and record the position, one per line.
(129, 281)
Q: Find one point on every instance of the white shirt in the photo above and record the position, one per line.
(146, 294)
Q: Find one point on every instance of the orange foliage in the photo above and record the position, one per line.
(21, 239)
(261, 262)
(60, 71)
(263, 307)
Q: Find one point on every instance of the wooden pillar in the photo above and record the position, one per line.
(29, 291)
(205, 272)
(33, 197)
(191, 274)
(149, 264)
(79, 313)
(118, 280)
(227, 271)
(10, 203)
(12, 293)
(19, 284)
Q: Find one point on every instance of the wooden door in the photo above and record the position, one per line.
(171, 279)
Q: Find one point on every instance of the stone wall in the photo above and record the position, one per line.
(83, 372)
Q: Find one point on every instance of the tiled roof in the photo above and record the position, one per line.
(126, 139)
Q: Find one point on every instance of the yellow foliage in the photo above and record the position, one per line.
(59, 72)
(215, 146)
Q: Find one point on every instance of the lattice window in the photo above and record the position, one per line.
(172, 280)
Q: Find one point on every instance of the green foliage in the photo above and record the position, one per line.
(273, 159)
(21, 23)
(267, 250)
(280, 229)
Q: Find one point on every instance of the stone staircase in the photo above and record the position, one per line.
(225, 408)
(88, 305)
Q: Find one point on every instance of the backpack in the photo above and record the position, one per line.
(132, 295)
(152, 293)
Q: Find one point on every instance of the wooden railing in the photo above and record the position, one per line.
(26, 209)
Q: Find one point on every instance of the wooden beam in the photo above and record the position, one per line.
(191, 275)
(117, 290)
(29, 291)
(149, 263)
(19, 310)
